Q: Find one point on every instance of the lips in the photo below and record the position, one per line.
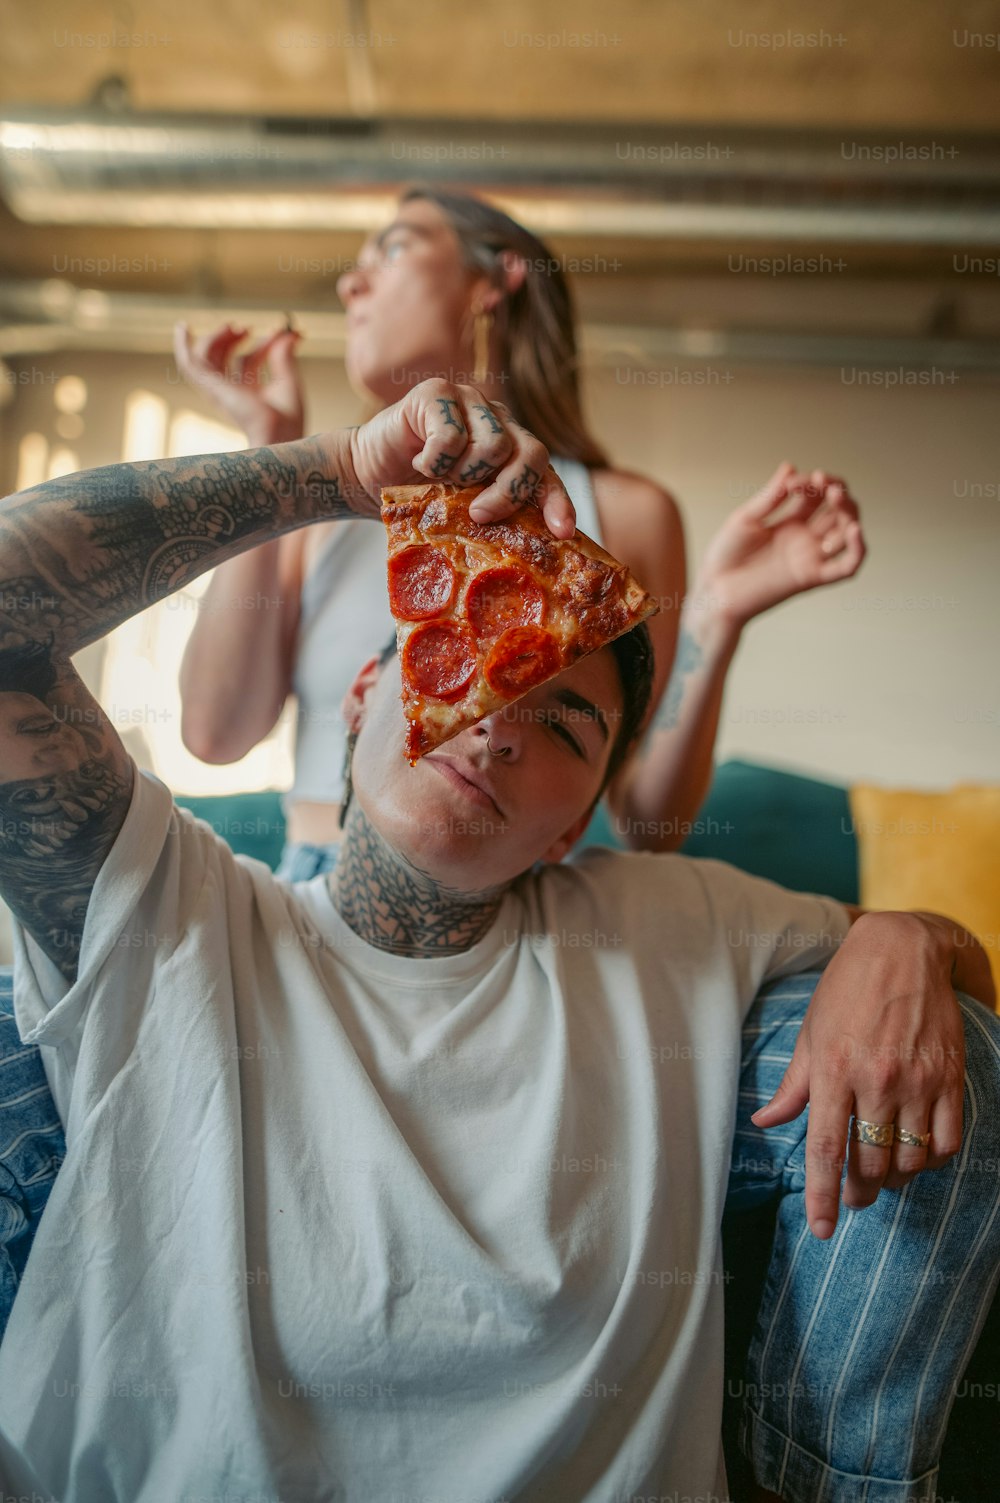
(466, 778)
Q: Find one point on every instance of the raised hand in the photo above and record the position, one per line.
(798, 532)
(441, 431)
(271, 410)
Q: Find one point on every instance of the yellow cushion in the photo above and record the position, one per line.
(939, 851)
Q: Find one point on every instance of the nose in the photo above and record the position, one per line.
(350, 283)
(501, 733)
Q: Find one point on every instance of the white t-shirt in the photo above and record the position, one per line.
(336, 1224)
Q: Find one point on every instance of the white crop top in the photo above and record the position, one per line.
(345, 619)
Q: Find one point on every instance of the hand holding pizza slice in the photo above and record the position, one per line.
(487, 611)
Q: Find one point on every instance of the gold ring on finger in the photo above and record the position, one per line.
(912, 1139)
(875, 1134)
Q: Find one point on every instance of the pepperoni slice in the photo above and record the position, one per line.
(523, 657)
(439, 659)
(500, 598)
(421, 583)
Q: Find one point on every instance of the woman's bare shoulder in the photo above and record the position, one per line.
(630, 503)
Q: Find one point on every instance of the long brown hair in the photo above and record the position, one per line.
(535, 323)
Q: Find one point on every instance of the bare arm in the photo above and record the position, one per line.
(797, 533)
(244, 634)
(664, 784)
(247, 621)
(660, 790)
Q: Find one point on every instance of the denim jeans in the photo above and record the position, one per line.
(300, 860)
(859, 1343)
(32, 1146)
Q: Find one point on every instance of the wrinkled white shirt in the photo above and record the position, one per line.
(337, 1224)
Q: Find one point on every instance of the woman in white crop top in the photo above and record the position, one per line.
(454, 287)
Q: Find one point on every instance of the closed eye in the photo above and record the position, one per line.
(39, 725)
(555, 724)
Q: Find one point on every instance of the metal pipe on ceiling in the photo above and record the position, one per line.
(51, 316)
(594, 179)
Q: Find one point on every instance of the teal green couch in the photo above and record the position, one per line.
(776, 824)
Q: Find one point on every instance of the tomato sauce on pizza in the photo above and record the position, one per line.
(487, 611)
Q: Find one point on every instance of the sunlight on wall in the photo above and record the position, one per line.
(141, 670)
(62, 462)
(32, 461)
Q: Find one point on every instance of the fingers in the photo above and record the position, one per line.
(909, 1155)
(945, 1126)
(826, 1140)
(872, 1168)
(204, 360)
(189, 354)
(847, 559)
(283, 349)
(215, 349)
(182, 346)
(467, 442)
(835, 524)
(276, 354)
(470, 441)
(557, 508)
(791, 1098)
(868, 1164)
(771, 495)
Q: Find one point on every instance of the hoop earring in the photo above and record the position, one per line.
(481, 330)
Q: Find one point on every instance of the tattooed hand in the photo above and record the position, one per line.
(446, 432)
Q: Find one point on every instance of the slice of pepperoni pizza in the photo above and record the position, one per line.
(487, 611)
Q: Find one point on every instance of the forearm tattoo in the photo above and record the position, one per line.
(105, 544)
(65, 785)
(55, 833)
(687, 659)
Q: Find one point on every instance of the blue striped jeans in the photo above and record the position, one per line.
(32, 1146)
(859, 1343)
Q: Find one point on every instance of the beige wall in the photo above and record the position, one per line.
(892, 677)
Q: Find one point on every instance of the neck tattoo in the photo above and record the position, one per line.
(396, 906)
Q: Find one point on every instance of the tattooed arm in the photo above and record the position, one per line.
(83, 553)
(79, 555)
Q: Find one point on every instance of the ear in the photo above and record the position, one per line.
(557, 850)
(353, 706)
(513, 271)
